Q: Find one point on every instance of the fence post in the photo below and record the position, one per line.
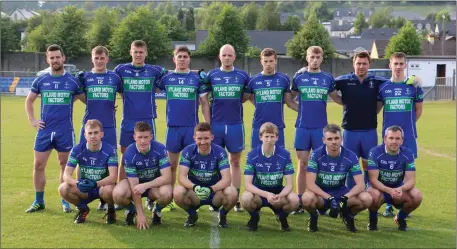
(453, 85)
(436, 89)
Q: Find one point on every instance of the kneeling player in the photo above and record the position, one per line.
(204, 177)
(266, 167)
(326, 174)
(98, 164)
(393, 178)
(148, 175)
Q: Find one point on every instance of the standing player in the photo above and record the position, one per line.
(312, 87)
(148, 173)
(100, 86)
(204, 177)
(139, 88)
(327, 170)
(393, 178)
(184, 91)
(55, 127)
(227, 86)
(266, 167)
(98, 163)
(402, 105)
(270, 89)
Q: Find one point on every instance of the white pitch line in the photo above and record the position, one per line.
(215, 239)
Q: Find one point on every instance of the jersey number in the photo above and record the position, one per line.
(56, 86)
(397, 93)
(392, 166)
(100, 82)
(332, 168)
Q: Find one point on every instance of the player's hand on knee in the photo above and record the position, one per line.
(38, 124)
(86, 185)
(397, 193)
(139, 189)
(271, 198)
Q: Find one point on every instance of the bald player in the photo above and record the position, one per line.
(227, 85)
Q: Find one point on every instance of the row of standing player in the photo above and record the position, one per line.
(269, 89)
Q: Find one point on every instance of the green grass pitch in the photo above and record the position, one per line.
(431, 226)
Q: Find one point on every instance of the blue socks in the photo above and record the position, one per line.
(402, 214)
(192, 211)
(222, 211)
(131, 207)
(373, 215)
(313, 214)
(39, 197)
(158, 208)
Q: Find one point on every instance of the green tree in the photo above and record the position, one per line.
(228, 28)
(249, 13)
(181, 16)
(381, 18)
(312, 34)
(70, 32)
(37, 38)
(190, 20)
(176, 31)
(320, 9)
(398, 22)
(205, 17)
(431, 17)
(140, 25)
(9, 39)
(102, 26)
(253, 52)
(269, 17)
(359, 23)
(407, 41)
(165, 9)
(292, 24)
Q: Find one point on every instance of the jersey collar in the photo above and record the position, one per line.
(274, 149)
(181, 73)
(231, 70)
(206, 154)
(268, 74)
(87, 147)
(93, 71)
(326, 151)
(138, 149)
(387, 152)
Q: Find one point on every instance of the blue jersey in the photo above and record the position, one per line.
(204, 170)
(330, 171)
(93, 164)
(269, 172)
(313, 89)
(399, 101)
(391, 168)
(146, 167)
(268, 93)
(57, 94)
(227, 90)
(101, 89)
(183, 92)
(359, 101)
(139, 86)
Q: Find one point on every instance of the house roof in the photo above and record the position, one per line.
(450, 27)
(261, 39)
(25, 14)
(340, 25)
(429, 49)
(381, 47)
(348, 45)
(408, 15)
(379, 33)
(352, 12)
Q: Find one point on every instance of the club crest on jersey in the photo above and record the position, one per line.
(323, 83)
(277, 82)
(67, 85)
(145, 71)
(408, 92)
(237, 80)
(110, 80)
(191, 81)
(371, 84)
(342, 167)
(278, 165)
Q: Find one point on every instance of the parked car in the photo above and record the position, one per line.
(71, 68)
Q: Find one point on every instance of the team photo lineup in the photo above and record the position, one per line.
(341, 170)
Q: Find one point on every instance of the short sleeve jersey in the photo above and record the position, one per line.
(101, 89)
(399, 101)
(93, 164)
(227, 89)
(146, 167)
(138, 87)
(391, 168)
(331, 171)
(313, 90)
(268, 93)
(183, 92)
(57, 95)
(204, 170)
(268, 172)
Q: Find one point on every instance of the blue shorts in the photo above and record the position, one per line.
(93, 195)
(360, 142)
(255, 138)
(307, 139)
(229, 136)
(146, 193)
(62, 141)
(208, 201)
(388, 199)
(275, 191)
(337, 193)
(108, 137)
(411, 143)
(127, 127)
(178, 138)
